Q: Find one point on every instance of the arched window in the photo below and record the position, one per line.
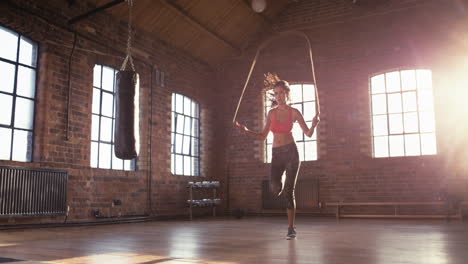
(303, 99)
(185, 136)
(103, 122)
(403, 122)
(18, 67)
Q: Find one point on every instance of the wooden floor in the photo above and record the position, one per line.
(248, 240)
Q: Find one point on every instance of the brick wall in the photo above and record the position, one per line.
(95, 189)
(351, 43)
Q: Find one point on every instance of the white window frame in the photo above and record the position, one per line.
(402, 114)
(185, 136)
(102, 140)
(18, 66)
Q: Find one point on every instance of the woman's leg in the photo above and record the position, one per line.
(276, 173)
(292, 170)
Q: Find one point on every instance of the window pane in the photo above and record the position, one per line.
(411, 122)
(394, 103)
(173, 116)
(22, 145)
(300, 149)
(309, 92)
(172, 142)
(187, 165)
(172, 163)
(186, 145)
(106, 129)
(412, 146)
(113, 131)
(7, 75)
(178, 144)
(129, 165)
(187, 106)
(380, 125)
(94, 154)
(194, 166)
(296, 93)
(269, 152)
(97, 76)
(392, 80)
(396, 123)
(108, 79)
(379, 104)
(28, 52)
(5, 142)
(117, 164)
(179, 165)
(24, 112)
(424, 79)
(426, 121)
(428, 144)
(179, 104)
(187, 125)
(96, 101)
(309, 111)
(195, 147)
(408, 80)
(9, 44)
(95, 128)
(197, 166)
(6, 101)
(378, 84)
(107, 104)
(297, 133)
(396, 146)
(180, 124)
(173, 102)
(311, 150)
(195, 131)
(26, 82)
(269, 138)
(409, 102)
(105, 155)
(426, 101)
(195, 110)
(381, 147)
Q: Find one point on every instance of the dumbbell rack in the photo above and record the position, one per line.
(203, 186)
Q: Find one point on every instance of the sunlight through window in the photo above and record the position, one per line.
(185, 136)
(18, 66)
(103, 122)
(403, 122)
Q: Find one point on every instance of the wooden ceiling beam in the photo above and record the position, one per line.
(195, 23)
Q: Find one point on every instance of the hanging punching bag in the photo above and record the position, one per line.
(126, 133)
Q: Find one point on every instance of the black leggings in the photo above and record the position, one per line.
(285, 158)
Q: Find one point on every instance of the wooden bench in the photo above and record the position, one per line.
(396, 206)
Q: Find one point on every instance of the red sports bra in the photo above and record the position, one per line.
(281, 127)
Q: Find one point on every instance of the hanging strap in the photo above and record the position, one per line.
(261, 47)
(129, 39)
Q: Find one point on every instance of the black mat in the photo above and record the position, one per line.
(3, 260)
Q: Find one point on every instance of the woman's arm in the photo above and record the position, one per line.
(300, 119)
(260, 135)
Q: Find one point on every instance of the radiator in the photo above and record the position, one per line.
(307, 195)
(32, 192)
